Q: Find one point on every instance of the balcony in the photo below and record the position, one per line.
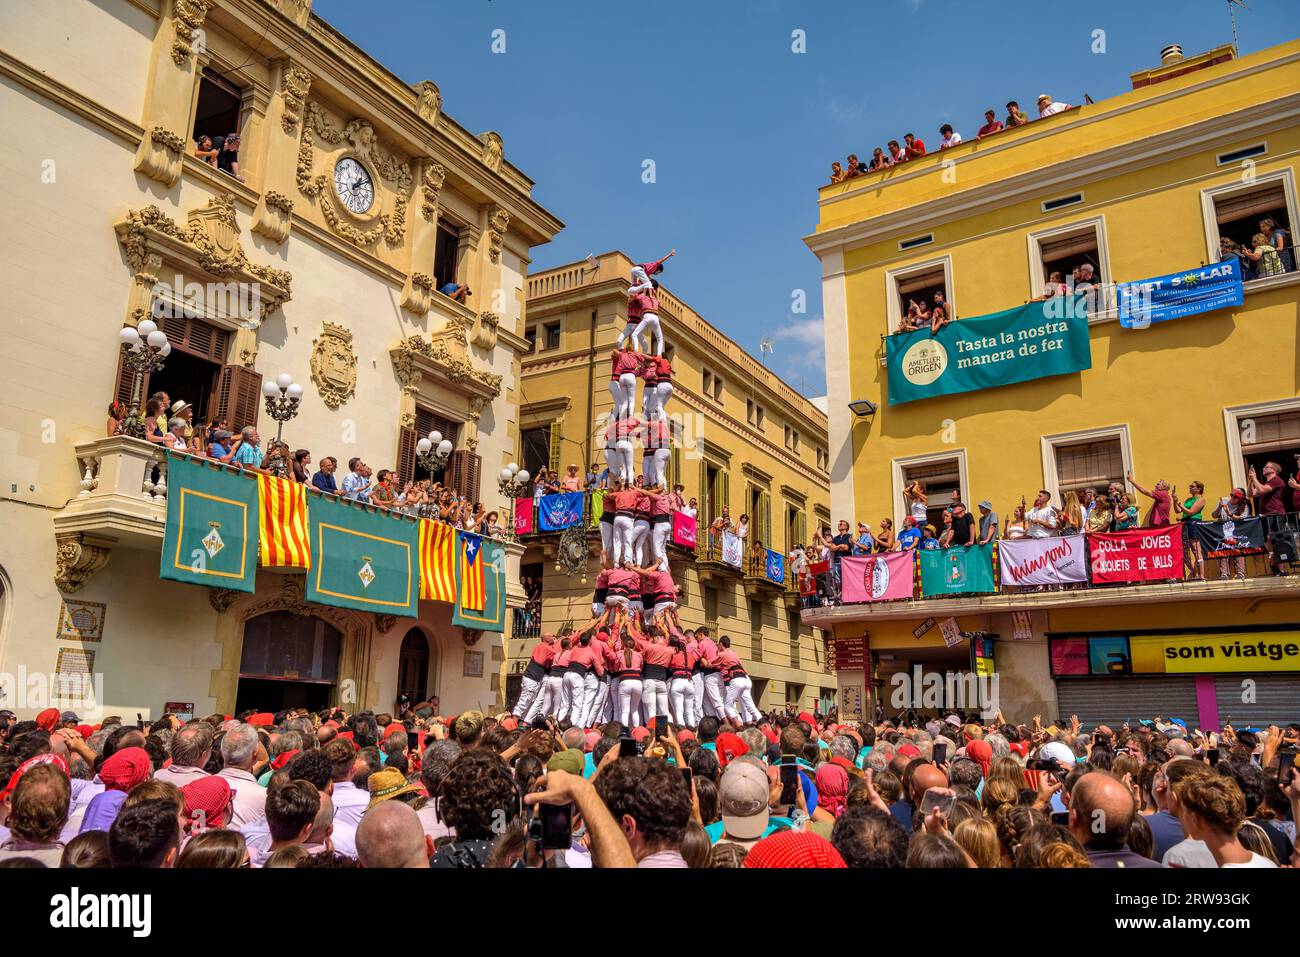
(758, 583)
(1259, 582)
(123, 493)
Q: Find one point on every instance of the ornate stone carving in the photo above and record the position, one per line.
(210, 240)
(476, 403)
(493, 150)
(160, 155)
(448, 354)
(334, 365)
(187, 18)
(279, 201)
(222, 598)
(498, 223)
(470, 636)
(418, 293)
(384, 623)
(294, 84)
(359, 137)
(428, 101)
(75, 560)
(274, 216)
(485, 330)
(435, 174)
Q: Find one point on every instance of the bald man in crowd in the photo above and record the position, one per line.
(1101, 816)
(391, 835)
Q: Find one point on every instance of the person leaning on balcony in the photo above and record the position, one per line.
(896, 154)
(1232, 508)
(1264, 255)
(324, 477)
(356, 484)
(988, 527)
(572, 483)
(913, 147)
(175, 440)
(1099, 518)
(155, 421)
(1042, 519)
(950, 136)
(1161, 501)
(1017, 525)
(884, 539)
(878, 160)
(1015, 116)
(837, 173)
(248, 450)
(946, 531)
(1048, 107)
(963, 525)
(1126, 513)
(1280, 239)
(865, 543)
(991, 125)
(852, 167)
(1071, 517)
(117, 415)
(939, 316)
(928, 539)
(1190, 511)
(910, 537)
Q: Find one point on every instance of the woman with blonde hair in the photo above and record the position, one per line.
(998, 792)
(917, 503)
(1071, 521)
(1009, 768)
(979, 839)
(1016, 526)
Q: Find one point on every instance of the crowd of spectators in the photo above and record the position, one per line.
(914, 148)
(335, 790)
(1269, 252)
(171, 425)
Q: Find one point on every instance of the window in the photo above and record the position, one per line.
(1236, 156)
(941, 474)
(1268, 432)
(821, 459)
(1074, 461)
(712, 386)
(217, 112)
(917, 283)
(792, 439)
(446, 254)
(1236, 213)
(1055, 254)
(754, 413)
(905, 244)
(710, 603)
(760, 417)
(536, 449)
(552, 330)
(749, 411)
(530, 334)
(1074, 199)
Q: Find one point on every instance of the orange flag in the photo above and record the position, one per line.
(283, 539)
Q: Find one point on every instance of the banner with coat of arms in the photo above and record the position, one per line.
(882, 577)
(365, 558)
(212, 517)
(732, 549)
(961, 570)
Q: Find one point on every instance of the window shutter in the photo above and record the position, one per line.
(557, 436)
(724, 497)
(122, 393)
(239, 396)
(800, 530)
(463, 473)
(705, 503)
(675, 466)
(406, 439)
(765, 503)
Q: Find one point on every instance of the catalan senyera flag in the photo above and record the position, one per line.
(437, 561)
(283, 538)
(473, 588)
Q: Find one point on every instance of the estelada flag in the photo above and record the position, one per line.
(437, 561)
(472, 586)
(283, 538)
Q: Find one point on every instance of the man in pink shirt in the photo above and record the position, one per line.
(191, 748)
(713, 702)
(1161, 501)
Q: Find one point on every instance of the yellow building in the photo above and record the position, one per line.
(357, 199)
(1140, 185)
(744, 439)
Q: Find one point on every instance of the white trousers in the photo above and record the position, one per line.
(590, 699)
(663, 392)
(571, 706)
(697, 683)
(528, 691)
(682, 697)
(630, 332)
(626, 468)
(641, 545)
(661, 532)
(609, 701)
(616, 391)
(654, 698)
(628, 381)
(548, 702)
(629, 701)
(607, 537)
(622, 539)
(614, 459)
(654, 466)
(649, 323)
(741, 691)
(714, 702)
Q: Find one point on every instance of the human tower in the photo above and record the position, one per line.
(632, 662)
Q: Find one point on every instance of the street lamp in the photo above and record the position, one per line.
(282, 398)
(144, 347)
(433, 451)
(512, 482)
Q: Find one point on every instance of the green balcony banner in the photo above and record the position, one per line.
(366, 558)
(211, 534)
(960, 570)
(1032, 341)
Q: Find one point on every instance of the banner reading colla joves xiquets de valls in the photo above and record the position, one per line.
(1031, 341)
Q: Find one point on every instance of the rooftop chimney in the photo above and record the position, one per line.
(1173, 64)
(1171, 54)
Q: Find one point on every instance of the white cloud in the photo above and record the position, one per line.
(800, 352)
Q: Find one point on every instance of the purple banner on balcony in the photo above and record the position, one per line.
(557, 512)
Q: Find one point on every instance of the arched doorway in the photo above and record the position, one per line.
(413, 667)
(287, 661)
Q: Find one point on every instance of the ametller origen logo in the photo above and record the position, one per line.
(925, 361)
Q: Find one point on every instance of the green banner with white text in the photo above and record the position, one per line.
(365, 558)
(211, 533)
(1032, 341)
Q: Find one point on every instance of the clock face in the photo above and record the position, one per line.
(353, 184)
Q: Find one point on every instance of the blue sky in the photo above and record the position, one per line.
(741, 129)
